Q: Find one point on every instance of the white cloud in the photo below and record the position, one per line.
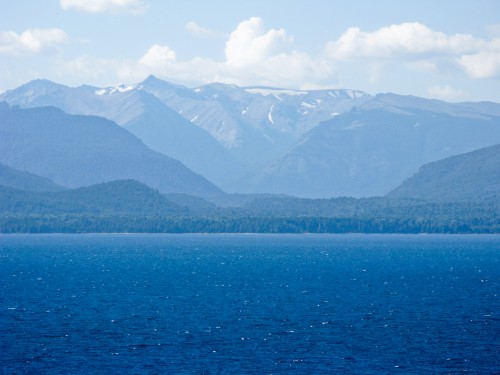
(157, 56)
(422, 48)
(447, 93)
(256, 55)
(100, 6)
(31, 41)
(400, 40)
(194, 29)
(250, 43)
(484, 64)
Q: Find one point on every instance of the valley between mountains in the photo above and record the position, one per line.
(233, 152)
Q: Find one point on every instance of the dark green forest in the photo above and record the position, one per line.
(129, 206)
(158, 224)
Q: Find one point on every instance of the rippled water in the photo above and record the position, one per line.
(204, 304)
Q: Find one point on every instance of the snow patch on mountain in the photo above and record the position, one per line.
(355, 94)
(308, 105)
(270, 116)
(112, 90)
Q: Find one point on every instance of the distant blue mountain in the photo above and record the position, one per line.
(157, 125)
(369, 152)
(76, 151)
(310, 143)
(467, 177)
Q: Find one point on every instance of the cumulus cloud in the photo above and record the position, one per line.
(250, 43)
(157, 56)
(399, 40)
(484, 64)
(256, 55)
(31, 41)
(421, 47)
(100, 6)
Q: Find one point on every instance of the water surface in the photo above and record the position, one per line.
(206, 304)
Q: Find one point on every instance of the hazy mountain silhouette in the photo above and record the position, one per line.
(76, 151)
(467, 177)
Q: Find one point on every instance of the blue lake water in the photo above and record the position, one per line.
(238, 304)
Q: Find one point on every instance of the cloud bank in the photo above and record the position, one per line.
(257, 55)
(406, 40)
(31, 41)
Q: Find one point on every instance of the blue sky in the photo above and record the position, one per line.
(438, 49)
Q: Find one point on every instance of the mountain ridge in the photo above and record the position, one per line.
(466, 177)
(258, 139)
(76, 150)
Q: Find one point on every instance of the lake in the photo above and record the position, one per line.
(241, 304)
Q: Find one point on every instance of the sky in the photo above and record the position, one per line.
(446, 49)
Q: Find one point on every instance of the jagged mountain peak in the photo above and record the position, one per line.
(154, 82)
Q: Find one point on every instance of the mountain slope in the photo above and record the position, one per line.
(255, 123)
(164, 130)
(157, 125)
(467, 177)
(16, 179)
(369, 152)
(78, 151)
(45, 93)
(309, 143)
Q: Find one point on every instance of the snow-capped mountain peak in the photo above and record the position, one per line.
(111, 90)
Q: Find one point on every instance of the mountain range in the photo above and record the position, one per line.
(308, 143)
(76, 151)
